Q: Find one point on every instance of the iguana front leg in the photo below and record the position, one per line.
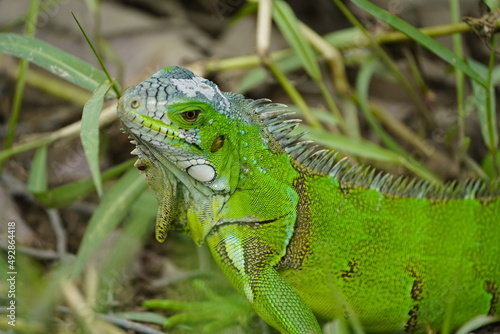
(248, 263)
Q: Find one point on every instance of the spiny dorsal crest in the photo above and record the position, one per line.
(275, 117)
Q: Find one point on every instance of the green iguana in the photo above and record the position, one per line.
(301, 235)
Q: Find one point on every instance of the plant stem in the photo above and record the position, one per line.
(460, 81)
(108, 115)
(20, 84)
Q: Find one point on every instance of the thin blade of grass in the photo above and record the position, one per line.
(16, 103)
(245, 10)
(491, 116)
(289, 26)
(362, 85)
(67, 194)
(460, 89)
(37, 181)
(488, 165)
(256, 77)
(337, 326)
(294, 94)
(486, 110)
(405, 159)
(476, 323)
(426, 41)
(70, 131)
(361, 148)
(147, 317)
(136, 228)
(52, 59)
(89, 134)
(94, 5)
(368, 150)
(113, 207)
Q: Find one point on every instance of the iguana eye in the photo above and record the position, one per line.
(191, 115)
(134, 104)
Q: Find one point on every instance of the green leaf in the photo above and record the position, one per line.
(248, 8)
(492, 4)
(113, 207)
(89, 134)
(37, 181)
(52, 59)
(426, 41)
(290, 28)
(488, 164)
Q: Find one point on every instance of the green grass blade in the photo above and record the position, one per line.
(294, 94)
(426, 41)
(289, 26)
(16, 103)
(493, 5)
(114, 206)
(89, 134)
(486, 110)
(37, 181)
(245, 10)
(67, 194)
(368, 150)
(147, 317)
(94, 5)
(362, 148)
(476, 323)
(137, 227)
(363, 80)
(488, 164)
(256, 77)
(52, 59)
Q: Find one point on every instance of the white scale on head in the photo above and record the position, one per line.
(194, 85)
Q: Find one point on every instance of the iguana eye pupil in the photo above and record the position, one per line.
(191, 115)
(134, 103)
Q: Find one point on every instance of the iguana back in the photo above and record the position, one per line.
(395, 261)
(294, 231)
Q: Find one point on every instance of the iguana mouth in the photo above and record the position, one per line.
(136, 123)
(155, 132)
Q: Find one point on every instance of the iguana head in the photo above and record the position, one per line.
(168, 116)
(191, 135)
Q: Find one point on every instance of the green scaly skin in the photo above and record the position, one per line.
(299, 235)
